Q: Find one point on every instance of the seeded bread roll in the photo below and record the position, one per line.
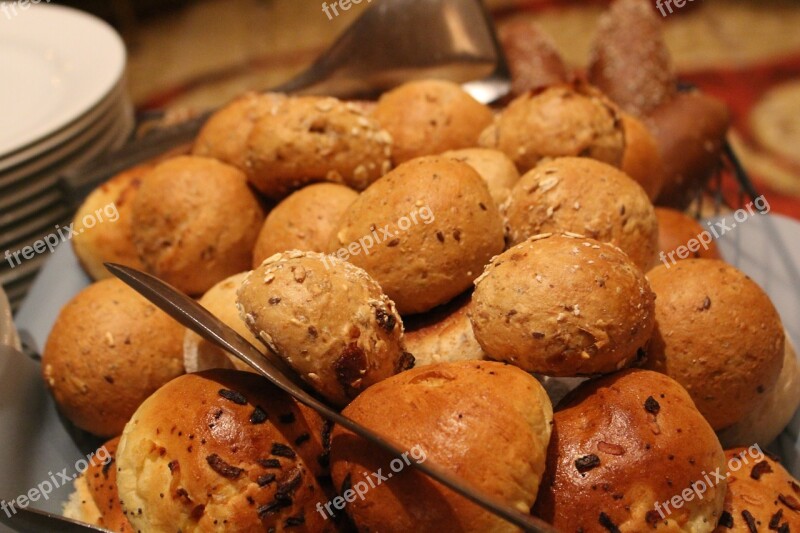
(430, 117)
(222, 451)
(642, 158)
(563, 120)
(109, 349)
(311, 138)
(676, 231)
(532, 56)
(718, 334)
(762, 495)
(423, 232)
(623, 446)
(563, 305)
(485, 421)
(303, 221)
(327, 319)
(495, 167)
(110, 238)
(195, 222)
(588, 197)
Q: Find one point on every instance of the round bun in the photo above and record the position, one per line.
(224, 135)
(762, 495)
(109, 350)
(303, 221)
(564, 120)
(430, 117)
(624, 445)
(563, 305)
(312, 138)
(642, 158)
(220, 300)
(426, 230)
(495, 167)
(222, 450)
(532, 56)
(718, 334)
(676, 230)
(110, 238)
(195, 222)
(443, 335)
(588, 197)
(487, 421)
(327, 319)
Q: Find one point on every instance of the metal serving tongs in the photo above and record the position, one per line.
(192, 315)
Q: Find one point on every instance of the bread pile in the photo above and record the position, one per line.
(443, 272)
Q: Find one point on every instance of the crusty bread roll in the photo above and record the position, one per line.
(762, 495)
(563, 305)
(429, 117)
(580, 195)
(327, 319)
(559, 121)
(109, 349)
(718, 334)
(532, 56)
(642, 158)
(303, 221)
(622, 447)
(222, 450)
(423, 232)
(110, 238)
(485, 421)
(195, 222)
(495, 167)
(312, 138)
(676, 231)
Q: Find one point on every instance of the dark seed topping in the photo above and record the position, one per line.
(173, 465)
(289, 484)
(350, 367)
(406, 362)
(587, 462)
(760, 469)
(606, 522)
(393, 243)
(301, 439)
(789, 501)
(440, 236)
(272, 508)
(222, 468)
(706, 304)
(385, 320)
(537, 335)
(294, 521)
(265, 480)
(233, 396)
(258, 416)
(795, 487)
(482, 206)
(274, 300)
(282, 450)
(726, 520)
(107, 466)
(269, 463)
(652, 517)
(457, 235)
(775, 521)
(784, 528)
(751, 521)
(287, 418)
(651, 405)
(312, 332)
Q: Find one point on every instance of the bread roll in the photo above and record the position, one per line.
(222, 451)
(109, 349)
(485, 421)
(563, 305)
(195, 222)
(429, 117)
(718, 334)
(623, 447)
(423, 232)
(303, 221)
(588, 197)
(676, 230)
(327, 319)
(642, 158)
(495, 167)
(532, 56)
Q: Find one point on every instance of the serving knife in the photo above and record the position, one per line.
(27, 520)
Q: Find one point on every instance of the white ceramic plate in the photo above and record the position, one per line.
(57, 63)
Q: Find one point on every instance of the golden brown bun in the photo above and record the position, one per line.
(584, 196)
(430, 117)
(443, 335)
(642, 158)
(224, 135)
(690, 130)
(195, 222)
(222, 451)
(532, 56)
(327, 319)
(761, 493)
(559, 121)
(101, 482)
(676, 229)
(718, 334)
(220, 300)
(495, 167)
(442, 224)
(485, 421)
(630, 61)
(314, 138)
(563, 305)
(110, 240)
(622, 445)
(771, 412)
(303, 221)
(109, 350)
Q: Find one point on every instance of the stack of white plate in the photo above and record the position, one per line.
(62, 102)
